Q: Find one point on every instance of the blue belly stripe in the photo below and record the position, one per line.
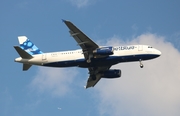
(111, 60)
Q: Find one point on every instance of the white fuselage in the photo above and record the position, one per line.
(76, 57)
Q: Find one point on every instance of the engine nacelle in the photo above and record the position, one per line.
(104, 51)
(113, 73)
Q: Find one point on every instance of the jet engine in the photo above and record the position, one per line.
(113, 73)
(104, 51)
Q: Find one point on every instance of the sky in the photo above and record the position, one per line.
(151, 91)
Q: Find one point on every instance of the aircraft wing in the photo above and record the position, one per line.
(95, 75)
(83, 41)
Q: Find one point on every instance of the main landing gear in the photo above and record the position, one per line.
(141, 65)
(89, 58)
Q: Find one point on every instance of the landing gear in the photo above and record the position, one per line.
(89, 58)
(141, 65)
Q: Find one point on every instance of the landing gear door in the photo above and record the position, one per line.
(140, 47)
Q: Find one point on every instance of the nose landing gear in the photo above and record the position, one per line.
(141, 65)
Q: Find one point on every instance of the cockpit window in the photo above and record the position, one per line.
(150, 47)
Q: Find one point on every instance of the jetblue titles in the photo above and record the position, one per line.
(124, 48)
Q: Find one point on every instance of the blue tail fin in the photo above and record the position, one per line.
(28, 46)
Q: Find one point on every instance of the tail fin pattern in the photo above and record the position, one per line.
(28, 46)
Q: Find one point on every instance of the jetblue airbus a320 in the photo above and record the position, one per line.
(98, 59)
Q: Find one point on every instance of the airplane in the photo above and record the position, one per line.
(98, 59)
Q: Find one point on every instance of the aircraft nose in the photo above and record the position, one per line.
(158, 52)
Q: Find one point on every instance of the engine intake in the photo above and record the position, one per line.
(113, 73)
(104, 51)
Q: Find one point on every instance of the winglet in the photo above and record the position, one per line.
(63, 20)
(85, 87)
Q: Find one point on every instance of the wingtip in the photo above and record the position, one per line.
(85, 87)
(63, 20)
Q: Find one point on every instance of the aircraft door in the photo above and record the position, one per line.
(140, 47)
(44, 57)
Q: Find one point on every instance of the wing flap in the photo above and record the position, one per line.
(97, 72)
(91, 82)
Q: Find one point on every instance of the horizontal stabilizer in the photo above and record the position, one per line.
(26, 66)
(22, 53)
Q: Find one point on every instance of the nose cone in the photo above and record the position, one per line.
(158, 52)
